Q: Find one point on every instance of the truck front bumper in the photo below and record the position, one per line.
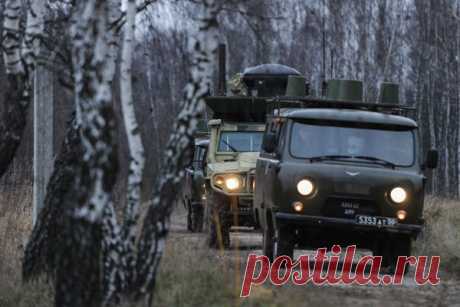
(348, 224)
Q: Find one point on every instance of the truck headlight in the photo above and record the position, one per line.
(229, 182)
(233, 183)
(305, 187)
(398, 195)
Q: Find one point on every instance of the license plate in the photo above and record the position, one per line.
(375, 220)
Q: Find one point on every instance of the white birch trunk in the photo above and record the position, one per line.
(35, 28)
(203, 48)
(136, 149)
(95, 53)
(114, 251)
(93, 98)
(12, 40)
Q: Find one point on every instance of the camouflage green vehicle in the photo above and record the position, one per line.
(236, 132)
(340, 171)
(194, 192)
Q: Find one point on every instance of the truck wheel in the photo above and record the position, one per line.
(218, 234)
(267, 242)
(218, 230)
(212, 235)
(189, 215)
(283, 243)
(197, 218)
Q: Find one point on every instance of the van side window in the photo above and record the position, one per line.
(277, 126)
(281, 139)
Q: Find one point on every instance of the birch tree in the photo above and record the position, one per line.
(77, 231)
(34, 31)
(79, 269)
(77, 239)
(135, 146)
(178, 150)
(16, 99)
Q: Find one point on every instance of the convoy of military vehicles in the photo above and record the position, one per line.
(308, 171)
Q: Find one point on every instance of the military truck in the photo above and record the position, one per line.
(194, 192)
(236, 131)
(336, 170)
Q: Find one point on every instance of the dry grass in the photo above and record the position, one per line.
(15, 226)
(193, 275)
(441, 235)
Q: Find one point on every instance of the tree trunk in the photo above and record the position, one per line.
(16, 100)
(135, 146)
(178, 153)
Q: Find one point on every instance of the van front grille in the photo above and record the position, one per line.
(348, 207)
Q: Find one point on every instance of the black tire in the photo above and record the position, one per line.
(267, 242)
(256, 219)
(218, 226)
(390, 249)
(283, 243)
(402, 246)
(212, 234)
(189, 215)
(197, 218)
(218, 234)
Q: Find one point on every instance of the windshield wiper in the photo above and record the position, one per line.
(330, 157)
(341, 157)
(229, 146)
(374, 159)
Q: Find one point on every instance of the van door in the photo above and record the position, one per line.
(272, 161)
(266, 171)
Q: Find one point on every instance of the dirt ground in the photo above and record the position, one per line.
(193, 275)
(243, 243)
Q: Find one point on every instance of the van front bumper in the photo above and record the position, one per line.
(348, 224)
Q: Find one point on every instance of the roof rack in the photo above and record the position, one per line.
(309, 102)
(238, 108)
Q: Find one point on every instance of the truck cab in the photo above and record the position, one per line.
(233, 151)
(335, 171)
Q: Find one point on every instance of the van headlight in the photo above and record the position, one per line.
(398, 195)
(229, 182)
(305, 187)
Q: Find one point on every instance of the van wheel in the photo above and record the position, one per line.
(401, 246)
(391, 249)
(283, 243)
(267, 242)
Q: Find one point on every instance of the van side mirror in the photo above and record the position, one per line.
(269, 142)
(432, 157)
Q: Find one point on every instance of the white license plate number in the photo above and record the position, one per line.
(375, 220)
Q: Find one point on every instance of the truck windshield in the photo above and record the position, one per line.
(240, 141)
(394, 147)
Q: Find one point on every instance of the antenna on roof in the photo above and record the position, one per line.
(222, 84)
(332, 64)
(323, 73)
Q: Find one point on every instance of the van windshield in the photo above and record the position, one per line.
(396, 147)
(240, 141)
